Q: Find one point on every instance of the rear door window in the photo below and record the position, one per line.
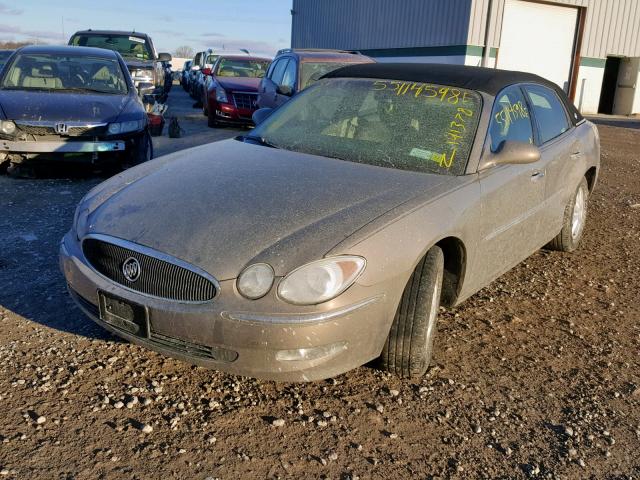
(510, 118)
(550, 114)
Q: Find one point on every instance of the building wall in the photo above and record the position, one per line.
(375, 24)
(453, 31)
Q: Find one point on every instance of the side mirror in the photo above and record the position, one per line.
(206, 71)
(164, 57)
(261, 115)
(195, 68)
(511, 152)
(284, 90)
(145, 88)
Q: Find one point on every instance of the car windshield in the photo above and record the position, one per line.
(129, 46)
(4, 56)
(310, 72)
(59, 72)
(403, 125)
(235, 67)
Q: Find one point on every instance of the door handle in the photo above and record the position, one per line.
(576, 155)
(537, 175)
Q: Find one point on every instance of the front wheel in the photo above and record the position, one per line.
(212, 121)
(575, 219)
(409, 346)
(142, 152)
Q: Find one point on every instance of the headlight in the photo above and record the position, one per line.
(7, 127)
(221, 95)
(255, 281)
(125, 127)
(322, 280)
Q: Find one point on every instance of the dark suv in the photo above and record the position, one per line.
(144, 63)
(292, 70)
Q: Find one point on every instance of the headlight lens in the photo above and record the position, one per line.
(7, 127)
(221, 95)
(320, 281)
(125, 127)
(255, 281)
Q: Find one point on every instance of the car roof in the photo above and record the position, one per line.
(488, 80)
(111, 32)
(62, 49)
(323, 54)
(236, 56)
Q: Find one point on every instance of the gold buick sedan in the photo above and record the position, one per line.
(330, 235)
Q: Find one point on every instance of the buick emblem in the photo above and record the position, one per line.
(131, 269)
(61, 128)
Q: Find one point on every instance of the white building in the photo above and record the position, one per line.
(591, 48)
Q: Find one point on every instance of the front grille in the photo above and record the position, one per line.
(245, 100)
(82, 131)
(158, 277)
(193, 349)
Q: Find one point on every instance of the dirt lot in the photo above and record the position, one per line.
(536, 376)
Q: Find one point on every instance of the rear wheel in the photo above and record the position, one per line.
(575, 219)
(409, 346)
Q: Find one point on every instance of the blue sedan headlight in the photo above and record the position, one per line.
(125, 127)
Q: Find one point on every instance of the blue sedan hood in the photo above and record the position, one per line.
(61, 106)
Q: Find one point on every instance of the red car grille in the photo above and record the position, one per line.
(245, 100)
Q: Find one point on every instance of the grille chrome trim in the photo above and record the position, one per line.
(154, 254)
(245, 100)
(76, 129)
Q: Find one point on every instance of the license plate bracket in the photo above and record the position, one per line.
(124, 315)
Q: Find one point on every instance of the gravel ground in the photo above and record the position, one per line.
(536, 376)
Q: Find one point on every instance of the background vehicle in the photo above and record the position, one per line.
(184, 75)
(203, 76)
(4, 56)
(144, 63)
(75, 104)
(293, 70)
(196, 64)
(233, 89)
(375, 196)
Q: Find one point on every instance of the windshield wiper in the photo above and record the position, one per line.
(259, 141)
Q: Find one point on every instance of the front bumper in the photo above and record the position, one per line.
(222, 334)
(61, 146)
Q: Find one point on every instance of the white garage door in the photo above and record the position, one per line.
(538, 38)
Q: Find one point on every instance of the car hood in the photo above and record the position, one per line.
(239, 83)
(226, 205)
(51, 106)
(133, 63)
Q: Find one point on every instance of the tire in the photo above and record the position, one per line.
(409, 346)
(575, 219)
(143, 151)
(205, 108)
(212, 122)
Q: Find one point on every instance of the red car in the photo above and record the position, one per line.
(233, 89)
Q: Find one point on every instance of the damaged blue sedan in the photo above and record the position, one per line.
(70, 104)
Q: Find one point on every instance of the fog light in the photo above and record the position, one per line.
(312, 353)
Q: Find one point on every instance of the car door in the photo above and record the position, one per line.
(560, 151)
(269, 95)
(512, 195)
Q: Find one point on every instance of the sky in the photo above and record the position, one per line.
(262, 26)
